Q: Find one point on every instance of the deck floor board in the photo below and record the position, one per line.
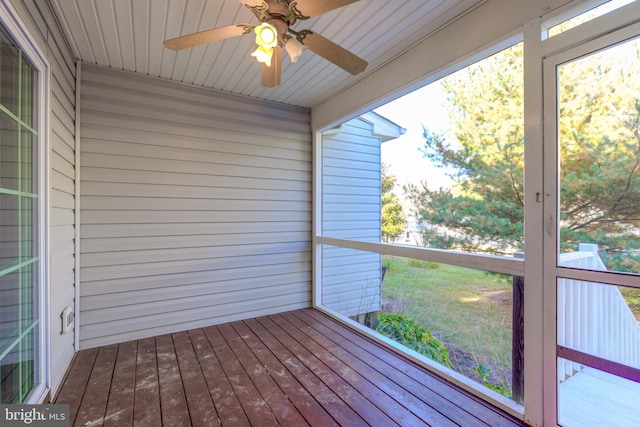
(342, 413)
(201, 408)
(172, 395)
(255, 407)
(295, 368)
(146, 404)
(121, 394)
(97, 391)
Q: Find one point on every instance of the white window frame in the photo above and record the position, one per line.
(540, 310)
(497, 264)
(16, 28)
(600, 31)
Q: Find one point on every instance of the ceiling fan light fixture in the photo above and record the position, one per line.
(266, 35)
(266, 39)
(294, 48)
(263, 55)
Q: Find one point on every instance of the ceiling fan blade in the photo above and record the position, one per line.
(207, 36)
(271, 75)
(311, 8)
(332, 52)
(251, 3)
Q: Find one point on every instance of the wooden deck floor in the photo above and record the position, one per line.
(292, 369)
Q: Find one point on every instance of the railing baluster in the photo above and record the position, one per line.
(594, 318)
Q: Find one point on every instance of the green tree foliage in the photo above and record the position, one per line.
(599, 128)
(486, 211)
(599, 110)
(393, 218)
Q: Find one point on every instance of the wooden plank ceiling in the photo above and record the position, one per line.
(128, 35)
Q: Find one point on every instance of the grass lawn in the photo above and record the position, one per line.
(469, 310)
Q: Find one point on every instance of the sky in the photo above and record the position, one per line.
(423, 106)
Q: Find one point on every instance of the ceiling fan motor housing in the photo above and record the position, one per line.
(277, 7)
(274, 11)
(281, 27)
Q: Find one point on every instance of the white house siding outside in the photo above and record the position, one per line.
(351, 209)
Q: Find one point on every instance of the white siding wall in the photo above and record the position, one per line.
(43, 28)
(195, 207)
(351, 204)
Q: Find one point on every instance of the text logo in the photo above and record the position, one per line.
(34, 415)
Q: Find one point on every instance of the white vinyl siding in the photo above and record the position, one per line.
(43, 26)
(195, 207)
(351, 204)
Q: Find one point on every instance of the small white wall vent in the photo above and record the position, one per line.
(68, 318)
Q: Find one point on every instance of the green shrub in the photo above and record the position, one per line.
(416, 262)
(390, 262)
(433, 265)
(404, 330)
(484, 371)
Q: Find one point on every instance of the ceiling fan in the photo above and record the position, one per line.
(275, 34)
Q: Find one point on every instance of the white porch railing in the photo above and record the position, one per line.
(594, 318)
